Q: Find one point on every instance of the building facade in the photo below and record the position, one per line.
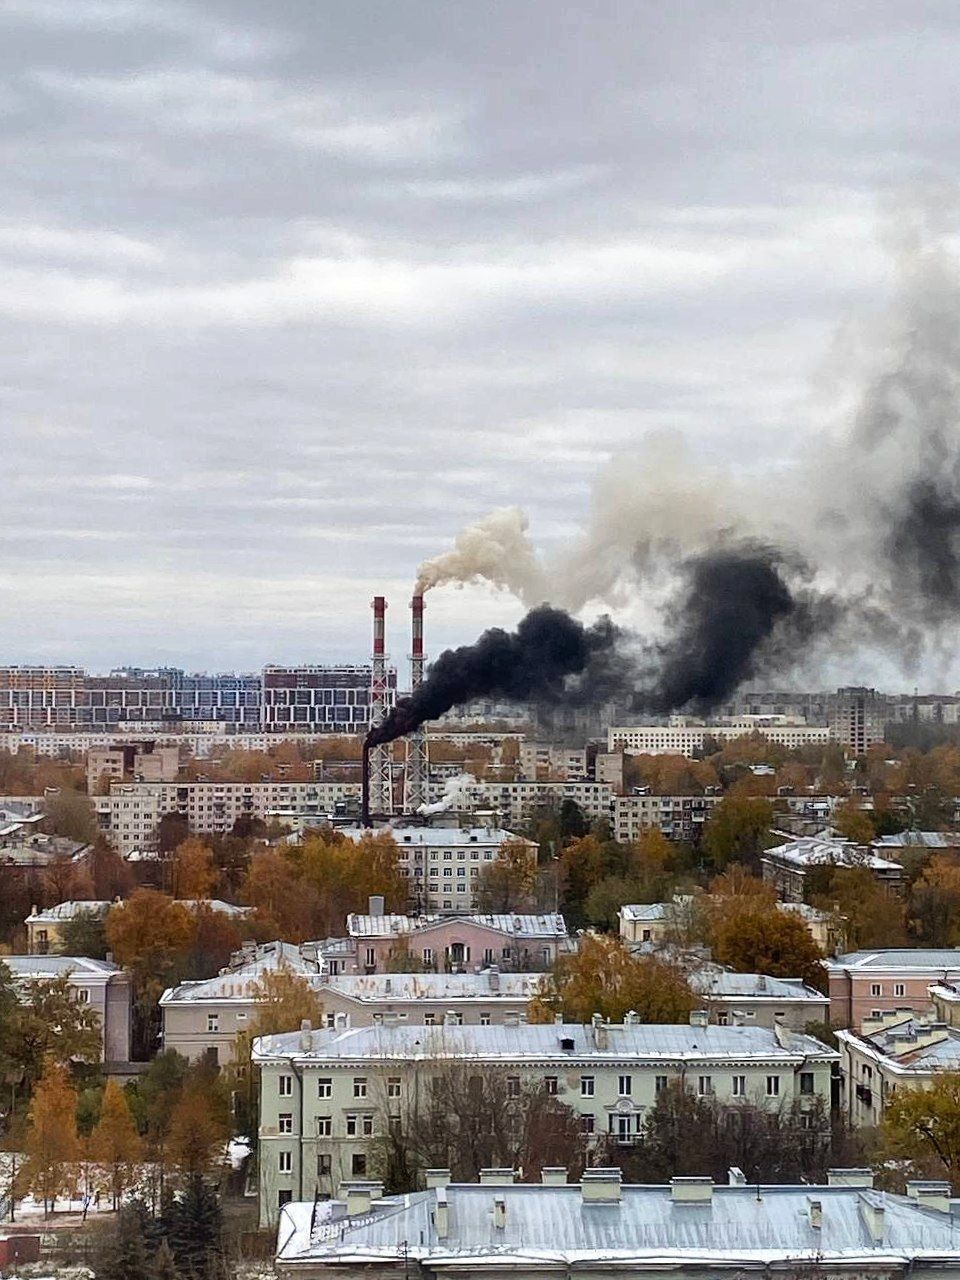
(320, 699)
(689, 739)
(867, 984)
(892, 1052)
(100, 985)
(326, 1095)
(44, 926)
(786, 866)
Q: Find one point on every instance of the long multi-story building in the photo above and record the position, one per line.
(688, 739)
(130, 815)
(304, 699)
(676, 817)
(326, 1096)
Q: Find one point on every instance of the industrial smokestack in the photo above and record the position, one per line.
(416, 765)
(376, 778)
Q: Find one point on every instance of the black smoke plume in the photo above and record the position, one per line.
(549, 658)
(736, 617)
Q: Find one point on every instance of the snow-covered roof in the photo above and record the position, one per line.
(64, 911)
(720, 984)
(939, 960)
(553, 1228)
(560, 1042)
(239, 982)
(550, 925)
(486, 985)
(810, 851)
(918, 839)
(26, 967)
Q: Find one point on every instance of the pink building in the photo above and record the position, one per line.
(867, 984)
(382, 943)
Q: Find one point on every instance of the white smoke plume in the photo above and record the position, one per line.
(495, 549)
(456, 793)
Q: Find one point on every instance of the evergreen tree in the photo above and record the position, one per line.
(125, 1254)
(195, 1229)
(164, 1263)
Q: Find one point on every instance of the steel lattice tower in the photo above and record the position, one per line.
(381, 778)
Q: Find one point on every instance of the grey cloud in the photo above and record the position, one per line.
(290, 293)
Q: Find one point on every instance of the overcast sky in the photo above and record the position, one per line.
(289, 292)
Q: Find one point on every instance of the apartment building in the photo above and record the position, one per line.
(893, 1051)
(320, 699)
(130, 814)
(514, 942)
(107, 990)
(326, 1095)
(518, 802)
(676, 817)
(785, 866)
(758, 1000)
(44, 926)
(868, 984)
(859, 718)
(689, 739)
(201, 1020)
(443, 864)
(554, 1230)
(551, 760)
(134, 761)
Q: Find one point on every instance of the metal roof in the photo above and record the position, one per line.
(654, 1042)
(720, 984)
(239, 981)
(440, 837)
(25, 967)
(937, 959)
(921, 839)
(551, 925)
(553, 1224)
(67, 911)
(810, 851)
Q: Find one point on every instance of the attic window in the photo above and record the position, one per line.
(566, 1042)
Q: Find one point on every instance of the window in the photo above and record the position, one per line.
(899, 989)
(352, 1126)
(359, 1086)
(429, 1019)
(550, 1084)
(393, 1086)
(876, 988)
(366, 1126)
(625, 1087)
(285, 1161)
(241, 1017)
(358, 1165)
(773, 1086)
(586, 1086)
(428, 955)
(371, 956)
(660, 1084)
(645, 935)
(705, 1086)
(285, 1086)
(723, 1019)
(324, 1126)
(739, 1086)
(513, 1086)
(586, 1124)
(285, 1122)
(83, 997)
(284, 1197)
(213, 1022)
(323, 1165)
(806, 1082)
(484, 1019)
(325, 1087)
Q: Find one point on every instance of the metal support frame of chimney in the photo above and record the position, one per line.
(417, 766)
(381, 776)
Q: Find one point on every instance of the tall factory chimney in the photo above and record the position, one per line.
(416, 770)
(378, 778)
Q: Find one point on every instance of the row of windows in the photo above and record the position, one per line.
(899, 989)
(705, 1085)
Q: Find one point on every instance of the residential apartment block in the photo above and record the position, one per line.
(785, 866)
(552, 760)
(676, 817)
(320, 699)
(326, 1095)
(685, 739)
(131, 813)
(107, 990)
(201, 1020)
(443, 864)
(869, 984)
(892, 1051)
(44, 926)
